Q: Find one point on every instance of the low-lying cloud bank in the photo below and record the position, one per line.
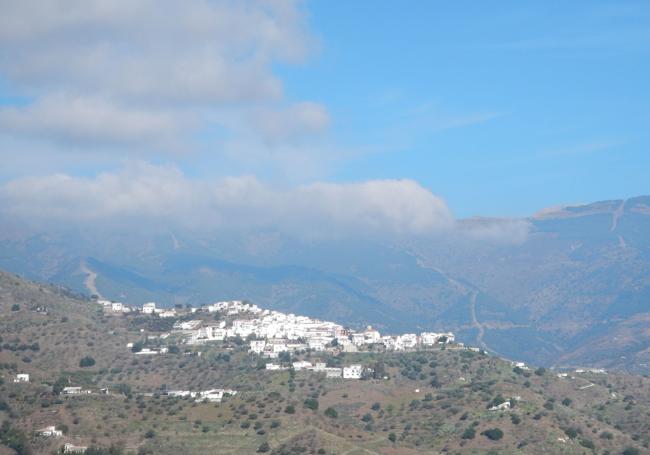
(145, 193)
(142, 196)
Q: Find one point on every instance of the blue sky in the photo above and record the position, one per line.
(427, 112)
(500, 108)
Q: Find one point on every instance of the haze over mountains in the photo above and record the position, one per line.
(566, 287)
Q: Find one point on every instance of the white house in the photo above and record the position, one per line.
(50, 431)
(352, 372)
(358, 339)
(301, 365)
(149, 308)
(167, 313)
(505, 406)
(73, 391)
(71, 448)
(333, 372)
(213, 396)
(371, 335)
(257, 346)
(22, 377)
(117, 307)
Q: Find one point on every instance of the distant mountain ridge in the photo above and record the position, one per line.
(574, 291)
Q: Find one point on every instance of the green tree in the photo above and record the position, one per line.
(86, 362)
(311, 403)
(331, 413)
(59, 385)
(469, 433)
(493, 434)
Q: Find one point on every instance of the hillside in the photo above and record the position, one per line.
(573, 291)
(431, 402)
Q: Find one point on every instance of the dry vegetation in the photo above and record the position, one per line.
(433, 402)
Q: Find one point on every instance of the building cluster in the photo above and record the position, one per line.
(349, 372)
(273, 332)
(148, 308)
(50, 432)
(212, 395)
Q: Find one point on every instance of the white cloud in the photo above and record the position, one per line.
(144, 193)
(194, 51)
(133, 68)
(496, 230)
(291, 123)
(90, 121)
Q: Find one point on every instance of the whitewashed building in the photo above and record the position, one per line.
(50, 432)
(149, 308)
(352, 372)
(21, 377)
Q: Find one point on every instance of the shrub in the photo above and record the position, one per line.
(469, 433)
(571, 432)
(587, 443)
(150, 434)
(493, 434)
(567, 402)
(15, 307)
(631, 451)
(86, 362)
(331, 413)
(515, 419)
(264, 447)
(290, 409)
(392, 437)
(311, 403)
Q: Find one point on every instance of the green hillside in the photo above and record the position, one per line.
(432, 402)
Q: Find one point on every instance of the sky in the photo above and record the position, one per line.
(350, 116)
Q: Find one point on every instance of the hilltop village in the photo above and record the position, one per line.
(271, 334)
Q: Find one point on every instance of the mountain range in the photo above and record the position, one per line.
(568, 286)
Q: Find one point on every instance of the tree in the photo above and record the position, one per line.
(264, 447)
(290, 409)
(311, 403)
(631, 451)
(14, 439)
(392, 437)
(494, 434)
(59, 385)
(150, 434)
(469, 433)
(15, 307)
(331, 413)
(86, 362)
